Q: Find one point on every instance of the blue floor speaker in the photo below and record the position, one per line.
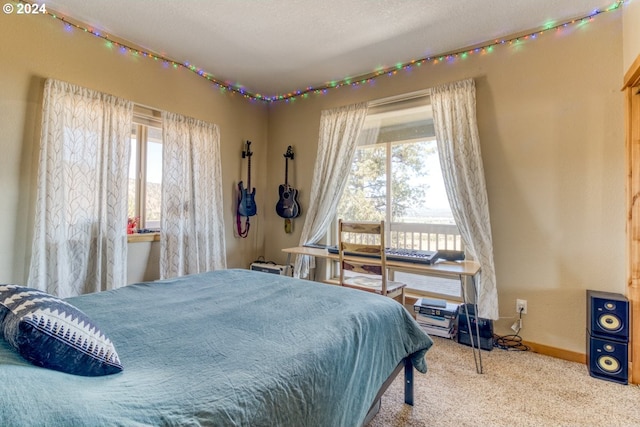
(608, 336)
(608, 359)
(608, 315)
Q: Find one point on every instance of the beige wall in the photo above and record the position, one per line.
(551, 128)
(36, 47)
(630, 33)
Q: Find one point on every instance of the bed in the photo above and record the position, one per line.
(225, 348)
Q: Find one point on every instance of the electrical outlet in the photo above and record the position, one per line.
(521, 306)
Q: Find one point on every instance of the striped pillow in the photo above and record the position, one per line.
(52, 333)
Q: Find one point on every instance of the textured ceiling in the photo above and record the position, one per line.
(279, 46)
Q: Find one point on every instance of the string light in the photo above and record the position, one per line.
(348, 81)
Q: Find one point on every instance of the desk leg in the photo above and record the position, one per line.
(289, 263)
(477, 352)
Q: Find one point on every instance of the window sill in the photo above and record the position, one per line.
(143, 237)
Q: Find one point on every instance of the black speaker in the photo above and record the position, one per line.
(608, 315)
(608, 359)
(485, 327)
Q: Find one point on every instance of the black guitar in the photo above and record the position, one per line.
(287, 206)
(246, 203)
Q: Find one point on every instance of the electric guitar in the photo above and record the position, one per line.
(246, 202)
(287, 206)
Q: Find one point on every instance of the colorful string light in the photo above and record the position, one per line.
(348, 81)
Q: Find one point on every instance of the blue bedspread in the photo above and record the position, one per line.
(226, 348)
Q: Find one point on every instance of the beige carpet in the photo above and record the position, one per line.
(516, 389)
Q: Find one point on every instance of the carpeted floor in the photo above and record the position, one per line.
(516, 389)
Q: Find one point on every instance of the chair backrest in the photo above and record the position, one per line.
(361, 249)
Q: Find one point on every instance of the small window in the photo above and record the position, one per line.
(145, 170)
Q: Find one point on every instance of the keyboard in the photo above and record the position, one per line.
(400, 254)
(411, 255)
(320, 246)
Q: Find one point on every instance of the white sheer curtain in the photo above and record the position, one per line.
(192, 236)
(454, 118)
(339, 131)
(80, 241)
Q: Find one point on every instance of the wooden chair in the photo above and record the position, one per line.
(361, 251)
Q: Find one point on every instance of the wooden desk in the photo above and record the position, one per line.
(460, 270)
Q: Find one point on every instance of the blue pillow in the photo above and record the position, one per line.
(52, 333)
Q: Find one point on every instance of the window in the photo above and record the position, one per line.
(396, 177)
(145, 169)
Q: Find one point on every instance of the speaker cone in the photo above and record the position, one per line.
(609, 364)
(610, 322)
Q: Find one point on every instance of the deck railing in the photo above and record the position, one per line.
(427, 237)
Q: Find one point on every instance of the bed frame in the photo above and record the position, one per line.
(408, 388)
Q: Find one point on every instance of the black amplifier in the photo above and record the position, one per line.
(485, 325)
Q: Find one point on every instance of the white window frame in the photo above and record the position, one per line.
(438, 287)
(143, 119)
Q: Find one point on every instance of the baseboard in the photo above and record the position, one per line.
(559, 353)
